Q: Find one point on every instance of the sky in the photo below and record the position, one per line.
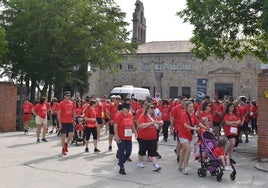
(161, 20)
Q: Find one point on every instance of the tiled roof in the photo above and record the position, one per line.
(165, 47)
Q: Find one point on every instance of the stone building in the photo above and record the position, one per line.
(169, 68)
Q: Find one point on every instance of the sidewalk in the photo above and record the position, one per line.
(25, 163)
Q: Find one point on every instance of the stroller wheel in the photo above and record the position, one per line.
(219, 178)
(232, 176)
(202, 172)
(213, 173)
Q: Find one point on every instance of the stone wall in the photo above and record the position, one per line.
(8, 100)
(243, 75)
(263, 117)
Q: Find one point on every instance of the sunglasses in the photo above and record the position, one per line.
(152, 107)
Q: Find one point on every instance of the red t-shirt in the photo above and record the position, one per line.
(113, 109)
(54, 108)
(98, 110)
(230, 130)
(218, 151)
(176, 114)
(165, 113)
(244, 110)
(90, 113)
(67, 109)
(217, 108)
(124, 125)
(149, 133)
(40, 110)
(184, 132)
(27, 107)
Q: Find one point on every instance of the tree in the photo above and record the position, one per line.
(3, 49)
(228, 27)
(46, 38)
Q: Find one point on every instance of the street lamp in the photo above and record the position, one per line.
(76, 68)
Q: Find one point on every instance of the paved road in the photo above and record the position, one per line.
(25, 163)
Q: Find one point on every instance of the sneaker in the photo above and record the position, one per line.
(158, 155)
(44, 140)
(180, 169)
(110, 148)
(50, 132)
(156, 167)
(227, 168)
(140, 165)
(38, 140)
(86, 150)
(63, 152)
(246, 140)
(184, 171)
(26, 133)
(122, 171)
(96, 150)
(66, 147)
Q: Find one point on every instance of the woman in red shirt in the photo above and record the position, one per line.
(91, 125)
(231, 122)
(165, 111)
(40, 112)
(123, 131)
(188, 124)
(148, 125)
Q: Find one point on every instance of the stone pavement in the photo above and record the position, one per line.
(25, 163)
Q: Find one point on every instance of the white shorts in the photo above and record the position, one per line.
(39, 120)
(183, 140)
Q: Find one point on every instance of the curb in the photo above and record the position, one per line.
(262, 166)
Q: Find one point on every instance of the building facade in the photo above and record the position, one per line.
(169, 68)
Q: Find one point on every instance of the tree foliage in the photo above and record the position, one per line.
(228, 27)
(47, 38)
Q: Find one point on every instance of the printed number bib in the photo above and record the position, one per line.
(128, 132)
(233, 130)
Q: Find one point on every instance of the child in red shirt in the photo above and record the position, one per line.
(220, 154)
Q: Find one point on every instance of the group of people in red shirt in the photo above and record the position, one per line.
(146, 120)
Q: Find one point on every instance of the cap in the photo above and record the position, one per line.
(126, 105)
(66, 93)
(118, 96)
(113, 96)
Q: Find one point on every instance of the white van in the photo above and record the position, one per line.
(129, 91)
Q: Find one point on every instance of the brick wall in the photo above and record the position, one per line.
(263, 117)
(8, 99)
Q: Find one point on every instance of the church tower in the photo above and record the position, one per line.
(139, 24)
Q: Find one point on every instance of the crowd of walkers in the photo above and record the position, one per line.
(145, 120)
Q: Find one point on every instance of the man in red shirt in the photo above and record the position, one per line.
(27, 113)
(66, 115)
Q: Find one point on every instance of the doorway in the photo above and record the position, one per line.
(223, 90)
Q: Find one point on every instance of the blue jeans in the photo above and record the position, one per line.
(124, 151)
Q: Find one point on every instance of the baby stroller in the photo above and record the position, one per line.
(79, 131)
(211, 163)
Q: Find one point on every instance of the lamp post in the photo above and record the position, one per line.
(76, 68)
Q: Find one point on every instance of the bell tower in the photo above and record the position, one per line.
(139, 24)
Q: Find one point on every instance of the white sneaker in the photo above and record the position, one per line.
(140, 165)
(185, 171)
(156, 167)
(227, 168)
(230, 168)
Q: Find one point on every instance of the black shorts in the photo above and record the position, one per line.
(99, 121)
(67, 128)
(245, 126)
(231, 136)
(147, 145)
(111, 129)
(216, 124)
(88, 131)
